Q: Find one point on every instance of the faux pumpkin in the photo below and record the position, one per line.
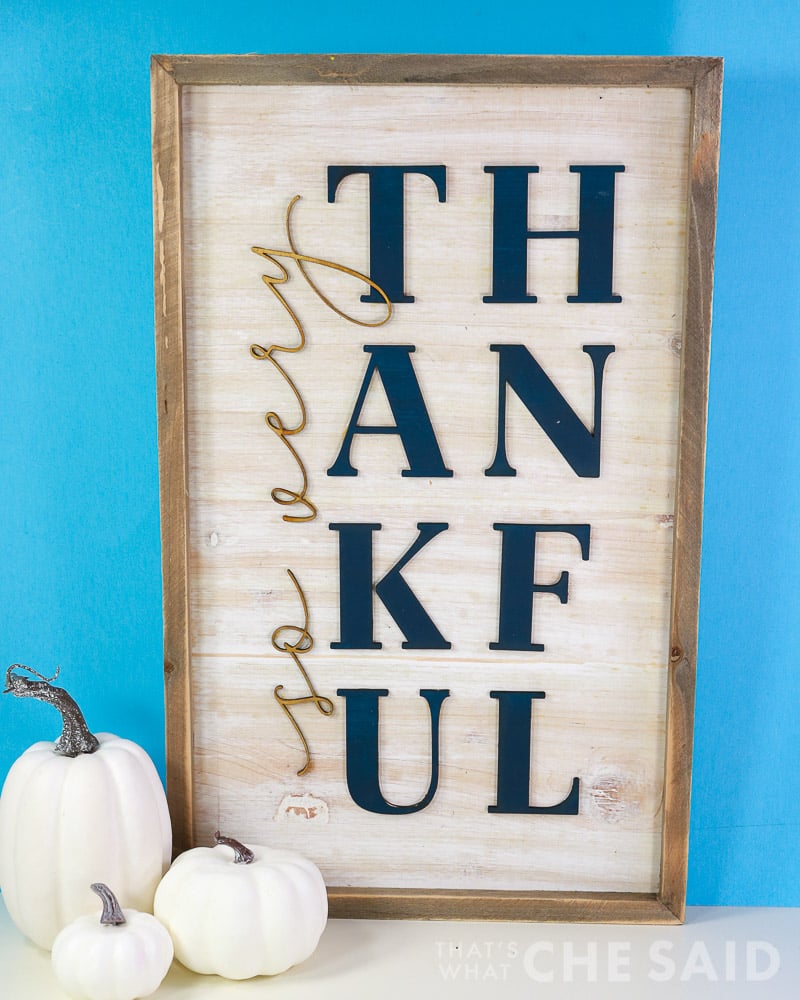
(123, 955)
(83, 809)
(240, 912)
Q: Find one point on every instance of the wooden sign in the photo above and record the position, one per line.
(432, 340)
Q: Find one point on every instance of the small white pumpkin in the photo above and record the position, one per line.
(84, 809)
(124, 955)
(240, 912)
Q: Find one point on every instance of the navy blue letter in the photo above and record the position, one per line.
(362, 744)
(517, 584)
(386, 223)
(514, 758)
(355, 591)
(579, 445)
(411, 420)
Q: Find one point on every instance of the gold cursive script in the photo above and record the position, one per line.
(294, 640)
(280, 494)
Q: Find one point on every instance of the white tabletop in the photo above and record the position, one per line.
(719, 953)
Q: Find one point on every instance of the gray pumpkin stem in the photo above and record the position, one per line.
(75, 737)
(244, 856)
(112, 911)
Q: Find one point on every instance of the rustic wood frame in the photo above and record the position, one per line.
(703, 77)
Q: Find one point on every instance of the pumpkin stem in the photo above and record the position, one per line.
(75, 737)
(244, 856)
(112, 911)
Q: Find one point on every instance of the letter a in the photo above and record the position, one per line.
(411, 421)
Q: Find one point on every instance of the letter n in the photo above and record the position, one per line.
(523, 373)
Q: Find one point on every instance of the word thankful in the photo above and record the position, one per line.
(391, 364)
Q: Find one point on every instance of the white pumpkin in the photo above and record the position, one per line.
(85, 809)
(123, 955)
(240, 912)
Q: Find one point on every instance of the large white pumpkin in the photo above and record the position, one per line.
(240, 912)
(69, 821)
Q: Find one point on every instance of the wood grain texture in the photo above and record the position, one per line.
(610, 908)
(345, 69)
(215, 629)
(604, 665)
(701, 230)
(615, 908)
(169, 325)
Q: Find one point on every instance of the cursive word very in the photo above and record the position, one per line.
(280, 494)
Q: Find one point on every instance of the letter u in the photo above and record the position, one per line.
(363, 754)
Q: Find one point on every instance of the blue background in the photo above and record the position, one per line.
(80, 580)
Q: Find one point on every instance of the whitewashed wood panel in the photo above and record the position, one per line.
(246, 152)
